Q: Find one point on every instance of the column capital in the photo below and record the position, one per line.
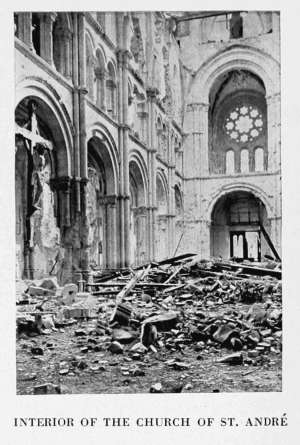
(123, 57)
(108, 200)
(61, 183)
(152, 93)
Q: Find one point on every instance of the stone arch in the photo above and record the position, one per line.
(240, 186)
(234, 57)
(108, 152)
(162, 183)
(236, 230)
(137, 159)
(100, 74)
(53, 107)
(236, 98)
(138, 210)
(101, 200)
(162, 233)
(43, 181)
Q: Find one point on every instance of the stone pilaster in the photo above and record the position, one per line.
(46, 36)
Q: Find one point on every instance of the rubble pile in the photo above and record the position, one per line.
(182, 307)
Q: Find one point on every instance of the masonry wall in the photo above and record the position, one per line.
(126, 100)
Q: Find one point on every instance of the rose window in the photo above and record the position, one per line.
(244, 123)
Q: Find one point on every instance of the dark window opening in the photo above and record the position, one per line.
(16, 25)
(236, 26)
(36, 33)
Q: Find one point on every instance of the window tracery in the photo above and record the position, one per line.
(244, 123)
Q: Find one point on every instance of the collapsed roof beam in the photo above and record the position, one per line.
(204, 15)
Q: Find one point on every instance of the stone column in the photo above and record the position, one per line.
(171, 181)
(123, 56)
(47, 20)
(152, 151)
(274, 164)
(24, 25)
(82, 91)
(111, 235)
(76, 137)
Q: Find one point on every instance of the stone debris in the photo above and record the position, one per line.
(182, 305)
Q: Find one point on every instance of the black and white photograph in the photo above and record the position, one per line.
(148, 204)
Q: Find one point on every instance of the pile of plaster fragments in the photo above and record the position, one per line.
(171, 306)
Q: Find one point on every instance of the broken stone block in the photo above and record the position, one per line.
(224, 334)
(148, 334)
(121, 314)
(180, 366)
(21, 288)
(146, 298)
(163, 322)
(116, 347)
(138, 373)
(47, 321)
(37, 291)
(37, 351)
(236, 343)
(69, 292)
(49, 283)
(46, 388)
(232, 359)
(253, 354)
(254, 337)
(156, 388)
(76, 312)
(80, 332)
(198, 335)
(122, 336)
(139, 348)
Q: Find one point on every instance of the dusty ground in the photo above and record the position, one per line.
(82, 364)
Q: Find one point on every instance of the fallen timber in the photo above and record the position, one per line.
(209, 307)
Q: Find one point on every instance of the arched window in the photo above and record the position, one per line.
(100, 79)
(244, 160)
(230, 162)
(36, 33)
(236, 25)
(62, 44)
(111, 91)
(259, 159)
(90, 75)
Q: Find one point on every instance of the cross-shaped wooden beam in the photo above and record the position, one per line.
(33, 135)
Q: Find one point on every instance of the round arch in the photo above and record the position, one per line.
(161, 181)
(239, 187)
(138, 214)
(239, 222)
(235, 57)
(109, 151)
(135, 158)
(57, 116)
